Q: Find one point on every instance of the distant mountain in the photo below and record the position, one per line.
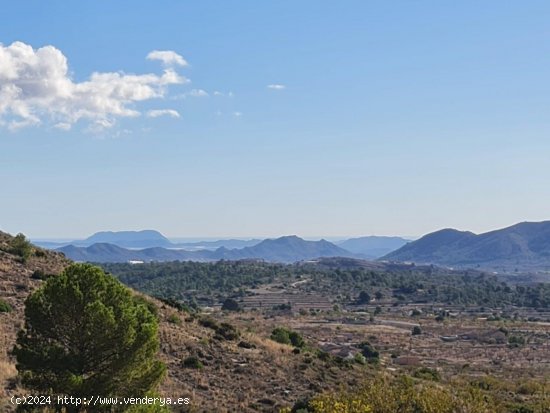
(128, 239)
(284, 249)
(291, 249)
(104, 252)
(226, 243)
(524, 245)
(372, 246)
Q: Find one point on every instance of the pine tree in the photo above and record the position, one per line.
(86, 334)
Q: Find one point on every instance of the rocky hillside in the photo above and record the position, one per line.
(17, 280)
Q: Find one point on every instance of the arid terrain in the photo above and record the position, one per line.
(225, 361)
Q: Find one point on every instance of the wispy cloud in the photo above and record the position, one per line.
(237, 114)
(155, 113)
(218, 93)
(167, 57)
(198, 93)
(276, 86)
(36, 88)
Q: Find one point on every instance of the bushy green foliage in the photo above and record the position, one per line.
(364, 297)
(416, 331)
(226, 331)
(360, 358)
(4, 307)
(386, 395)
(174, 319)
(192, 362)
(427, 373)
(280, 335)
(286, 336)
(369, 352)
(85, 333)
(230, 305)
(208, 323)
(296, 339)
(416, 285)
(21, 247)
(516, 341)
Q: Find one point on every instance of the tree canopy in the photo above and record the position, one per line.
(86, 334)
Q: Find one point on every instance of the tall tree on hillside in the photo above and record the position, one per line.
(86, 334)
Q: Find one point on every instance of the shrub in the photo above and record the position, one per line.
(227, 332)
(39, 253)
(364, 297)
(285, 336)
(360, 358)
(426, 373)
(296, 339)
(281, 335)
(230, 305)
(174, 319)
(385, 395)
(208, 323)
(369, 352)
(21, 247)
(416, 331)
(516, 341)
(192, 362)
(4, 307)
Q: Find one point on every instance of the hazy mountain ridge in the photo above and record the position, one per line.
(283, 249)
(522, 245)
(372, 246)
(369, 247)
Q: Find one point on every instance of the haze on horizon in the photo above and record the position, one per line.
(205, 120)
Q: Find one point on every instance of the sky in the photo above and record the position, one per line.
(260, 119)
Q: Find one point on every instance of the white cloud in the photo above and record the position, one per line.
(198, 93)
(36, 88)
(218, 93)
(163, 112)
(276, 87)
(167, 57)
(237, 114)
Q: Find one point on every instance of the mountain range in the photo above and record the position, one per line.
(150, 245)
(372, 246)
(283, 249)
(524, 245)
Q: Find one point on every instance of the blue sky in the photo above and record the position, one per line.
(391, 118)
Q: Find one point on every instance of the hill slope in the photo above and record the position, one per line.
(524, 245)
(259, 376)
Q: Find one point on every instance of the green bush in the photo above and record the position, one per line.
(209, 323)
(226, 332)
(285, 336)
(369, 352)
(425, 373)
(230, 305)
(296, 339)
(281, 335)
(4, 307)
(192, 362)
(174, 319)
(21, 247)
